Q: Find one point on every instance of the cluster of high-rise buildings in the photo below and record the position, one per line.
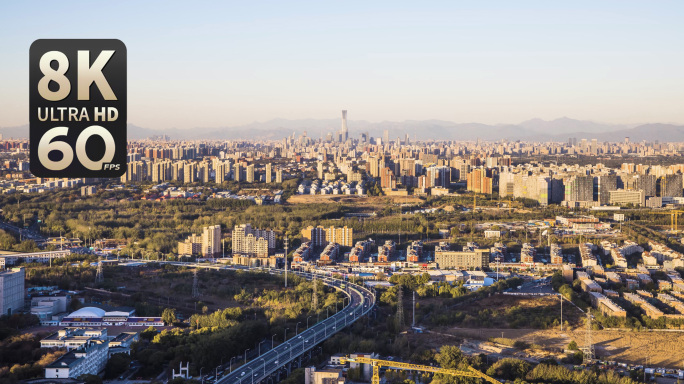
(209, 169)
(208, 244)
(592, 185)
(250, 241)
(319, 236)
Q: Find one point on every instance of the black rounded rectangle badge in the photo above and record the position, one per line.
(77, 108)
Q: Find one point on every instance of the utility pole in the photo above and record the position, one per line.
(414, 309)
(195, 285)
(285, 261)
(99, 277)
(588, 345)
(561, 299)
(400, 308)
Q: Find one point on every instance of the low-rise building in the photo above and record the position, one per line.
(606, 305)
(43, 257)
(478, 258)
(73, 338)
(89, 359)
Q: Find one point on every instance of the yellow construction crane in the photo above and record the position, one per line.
(673, 218)
(376, 364)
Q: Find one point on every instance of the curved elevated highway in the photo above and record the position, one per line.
(361, 301)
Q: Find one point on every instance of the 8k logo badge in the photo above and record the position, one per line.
(78, 108)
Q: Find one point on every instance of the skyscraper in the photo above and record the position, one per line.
(237, 173)
(250, 173)
(269, 173)
(211, 241)
(189, 173)
(345, 132)
(319, 169)
(603, 185)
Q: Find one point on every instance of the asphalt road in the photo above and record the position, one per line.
(361, 301)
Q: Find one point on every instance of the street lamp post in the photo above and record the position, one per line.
(231, 363)
(201, 378)
(307, 322)
(246, 355)
(297, 327)
(285, 339)
(272, 341)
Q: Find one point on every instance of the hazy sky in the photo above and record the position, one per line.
(205, 64)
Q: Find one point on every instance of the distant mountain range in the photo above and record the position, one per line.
(530, 130)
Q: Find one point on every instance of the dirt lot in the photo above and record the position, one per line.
(657, 348)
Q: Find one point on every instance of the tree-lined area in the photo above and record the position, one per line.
(237, 310)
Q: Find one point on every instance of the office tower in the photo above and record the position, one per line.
(211, 241)
(602, 186)
(584, 145)
(11, 291)
(345, 132)
(189, 173)
(237, 173)
(250, 173)
(269, 173)
(671, 185)
(385, 136)
(579, 188)
(594, 147)
(647, 183)
(279, 176)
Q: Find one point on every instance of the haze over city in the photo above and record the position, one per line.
(341, 193)
(229, 64)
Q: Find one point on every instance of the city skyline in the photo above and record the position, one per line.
(614, 62)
